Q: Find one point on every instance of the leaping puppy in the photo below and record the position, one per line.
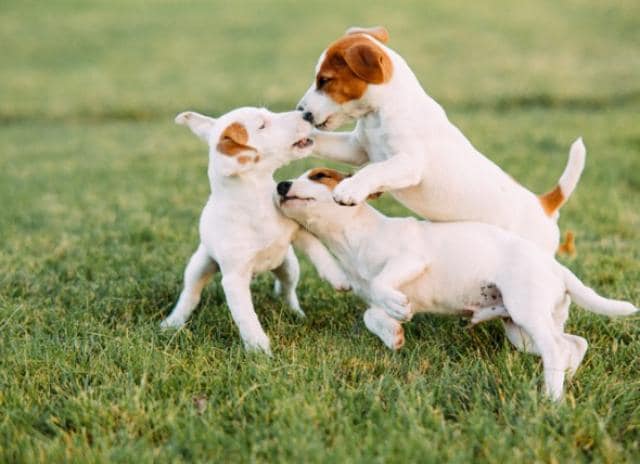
(413, 150)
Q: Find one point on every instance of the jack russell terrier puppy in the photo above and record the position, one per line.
(413, 150)
(241, 231)
(402, 266)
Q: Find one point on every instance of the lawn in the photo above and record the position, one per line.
(100, 195)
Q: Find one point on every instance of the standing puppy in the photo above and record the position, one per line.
(241, 231)
(414, 151)
(401, 266)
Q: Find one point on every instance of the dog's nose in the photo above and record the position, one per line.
(283, 187)
(308, 116)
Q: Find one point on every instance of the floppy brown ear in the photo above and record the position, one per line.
(374, 196)
(369, 62)
(233, 140)
(377, 32)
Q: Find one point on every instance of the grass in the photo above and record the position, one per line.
(100, 196)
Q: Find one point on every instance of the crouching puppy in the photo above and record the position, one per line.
(402, 266)
(241, 232)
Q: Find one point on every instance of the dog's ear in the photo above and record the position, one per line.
(378, 32)
(369, 62)
(233, 140)
(199, 124)
(238, 155)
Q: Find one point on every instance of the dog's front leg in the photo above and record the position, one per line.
(236, 289)
(386, 328)
(339, 146)
(396, 173)
(384, 287)
(323, 261)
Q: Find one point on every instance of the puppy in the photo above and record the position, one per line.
(241, 232)
(402, 266)
(413, 150)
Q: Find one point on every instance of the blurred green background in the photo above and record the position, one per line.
(100, 195)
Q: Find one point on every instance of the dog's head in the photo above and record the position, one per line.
(251, 138)
(344, 73)
(308, 199)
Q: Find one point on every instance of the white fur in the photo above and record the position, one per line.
(425, 161)
(404, 266)
(241, 232)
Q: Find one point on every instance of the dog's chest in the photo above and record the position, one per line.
(374, 138)
(272, 253)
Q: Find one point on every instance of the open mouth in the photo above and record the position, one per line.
(285, 199)
(303, 143)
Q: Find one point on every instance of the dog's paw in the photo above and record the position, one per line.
(170, 323)
(397, 340)
(341, 286)
(395, 303)
(257, 343)
(349, 193)
(294, 304)
(339, 282)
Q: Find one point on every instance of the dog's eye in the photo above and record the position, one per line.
(322, 81)
(318, 176)
(262, 125)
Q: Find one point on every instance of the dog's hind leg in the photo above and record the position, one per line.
(288, 274)
(198, 272)
(577, 347)
(535, 318)
(519, 337)
(389, 330)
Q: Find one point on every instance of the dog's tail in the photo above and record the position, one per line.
(553, 200)
(588, 299)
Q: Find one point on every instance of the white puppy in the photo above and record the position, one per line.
(414, 151)
(241, 232)
(402, 266)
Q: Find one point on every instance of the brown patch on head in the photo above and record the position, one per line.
(233, 140)
(326, 176)
(350, 65)
(552, 200)
(379, 33)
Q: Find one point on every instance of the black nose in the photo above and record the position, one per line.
(308, 116)
(283, 187)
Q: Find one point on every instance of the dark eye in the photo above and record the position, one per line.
(318, 176)
(322, 81)
(262, 126)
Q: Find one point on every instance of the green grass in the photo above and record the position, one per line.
(100, 195)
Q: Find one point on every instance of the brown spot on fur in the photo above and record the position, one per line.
(350, 65)
(326, 176)
(331, 178)
(233, 140)
(568, 247)
(552, 200)
(378, 32)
